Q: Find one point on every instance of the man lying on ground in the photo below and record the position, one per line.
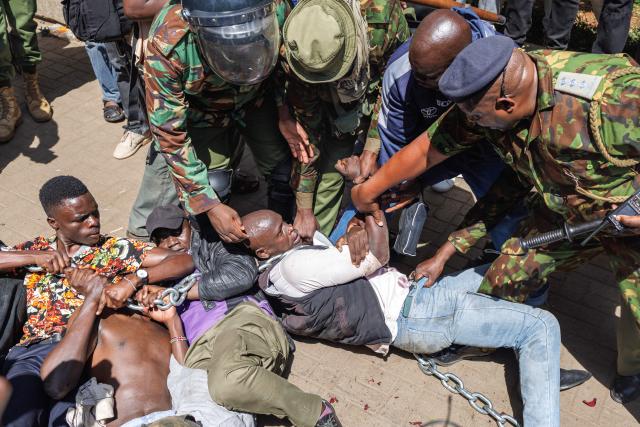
(231, 329)
(73, 214)
(130, 353)
(321, 293)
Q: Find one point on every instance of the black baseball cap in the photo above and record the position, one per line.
(166, 216)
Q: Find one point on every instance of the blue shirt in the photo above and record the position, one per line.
(408, 109)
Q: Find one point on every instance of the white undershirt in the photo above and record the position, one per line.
(306, 270)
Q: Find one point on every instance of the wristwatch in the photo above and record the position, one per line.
(143, 276)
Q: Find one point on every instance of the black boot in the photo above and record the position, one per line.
(625, 388)
(456, 353)
(570, 378)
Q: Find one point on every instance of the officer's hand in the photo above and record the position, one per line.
(227, 223)
(306, 224)
(349, 167)
(296, 137)
(631, 221)
(432, 267)
(365, 204)
(368, 166)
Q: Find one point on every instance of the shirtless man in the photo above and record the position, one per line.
(131, 353)
(126, 350)
(378, 307)
(74, 217)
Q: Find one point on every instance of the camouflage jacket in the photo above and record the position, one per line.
(182, 92)
(313, 106)
(555, 151)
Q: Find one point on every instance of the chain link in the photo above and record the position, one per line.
(175, 295)
(454, 384)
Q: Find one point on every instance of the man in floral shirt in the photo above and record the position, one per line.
(73, 213)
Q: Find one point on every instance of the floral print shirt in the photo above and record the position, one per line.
(51, 300)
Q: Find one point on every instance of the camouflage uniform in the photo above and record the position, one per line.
(555, 153)
(321, 117)
(193, 112)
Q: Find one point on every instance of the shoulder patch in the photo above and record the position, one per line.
(582, 85)
(169, 28)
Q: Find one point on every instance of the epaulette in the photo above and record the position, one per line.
(578, 84)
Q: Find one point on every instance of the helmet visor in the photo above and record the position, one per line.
(244, 53)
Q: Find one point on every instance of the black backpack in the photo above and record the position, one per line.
(96, 20)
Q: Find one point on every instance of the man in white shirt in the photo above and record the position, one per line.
(320, 292)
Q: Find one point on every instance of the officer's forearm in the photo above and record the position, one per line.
(408, 163)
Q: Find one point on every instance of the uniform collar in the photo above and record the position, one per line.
(544, 99)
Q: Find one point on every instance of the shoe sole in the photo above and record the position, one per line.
(148, 140)
(10, 137)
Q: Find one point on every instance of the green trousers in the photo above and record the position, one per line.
(21, 47)
(244, 356)
(218, 148)
(329, 187)
(514, 274)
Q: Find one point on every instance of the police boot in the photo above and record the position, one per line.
(38, 106)
(10, 115)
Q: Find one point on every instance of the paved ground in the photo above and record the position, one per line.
(369, 390)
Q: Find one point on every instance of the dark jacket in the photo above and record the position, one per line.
(227, 270)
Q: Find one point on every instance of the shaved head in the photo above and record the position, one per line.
(268, 234)
(438, 39)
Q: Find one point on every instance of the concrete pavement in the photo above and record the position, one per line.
(368, 390)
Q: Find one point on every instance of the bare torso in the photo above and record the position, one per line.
(132, 354)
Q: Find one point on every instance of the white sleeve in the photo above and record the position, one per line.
(307, 270)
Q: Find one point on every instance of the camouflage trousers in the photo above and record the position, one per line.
(515, 273)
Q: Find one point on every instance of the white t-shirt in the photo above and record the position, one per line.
(304, 271)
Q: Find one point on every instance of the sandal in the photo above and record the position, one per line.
(244, 183)
(112, 112)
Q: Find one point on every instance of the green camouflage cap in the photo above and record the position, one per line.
(320, 40)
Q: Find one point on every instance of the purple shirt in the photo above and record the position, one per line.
(197, 320)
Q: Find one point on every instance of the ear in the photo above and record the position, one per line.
(506, 104)
(263, 253)
(53, 223)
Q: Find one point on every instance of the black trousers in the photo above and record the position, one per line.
(613, 26)
(29, 405)
(559, 18)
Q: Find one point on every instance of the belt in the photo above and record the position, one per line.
(406, 306)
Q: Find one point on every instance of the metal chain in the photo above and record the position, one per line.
(454, 384)
(175, 295)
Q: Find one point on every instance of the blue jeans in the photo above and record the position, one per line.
(29, 405)
(104, 71)
(451, 312)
